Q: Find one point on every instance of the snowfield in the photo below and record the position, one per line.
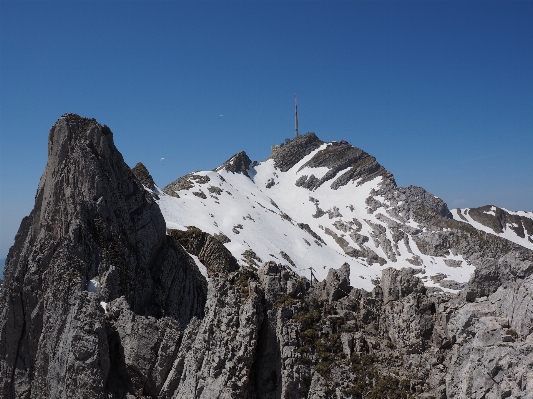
(261, 213)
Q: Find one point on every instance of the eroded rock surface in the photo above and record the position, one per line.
(239, 163)
(93, 228)
(142, 174)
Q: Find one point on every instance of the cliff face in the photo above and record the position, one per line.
(101, 301)
(94, 235)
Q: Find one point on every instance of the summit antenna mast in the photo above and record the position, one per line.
(296, 114)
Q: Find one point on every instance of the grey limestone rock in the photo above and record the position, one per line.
(309, 182)
(142, 350)
(498, 219)
(396, 284)
(338, 157)
(305, 227)
(185, 183)
(251, 258)
(211, 252)
(92, 220)
(289, 154)
(279, 372)
(217, 354)
(337, 284)
(493, 356)
(379, 236)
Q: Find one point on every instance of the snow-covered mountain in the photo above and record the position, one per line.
(513, 226)
(314, 205)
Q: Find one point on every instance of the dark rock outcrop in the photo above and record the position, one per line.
(337, 157)
(290, 153)
(185, 183)
(499, 219)
(142, 174)
(210, 251)
(239, 163)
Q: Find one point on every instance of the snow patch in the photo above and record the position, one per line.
(200, 265)
(492, 211)
(93, 285)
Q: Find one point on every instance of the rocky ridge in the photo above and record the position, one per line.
(143, 176)
(239, 163)
(101, 300)
(350, 206)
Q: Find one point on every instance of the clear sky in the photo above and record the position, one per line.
(440, 92)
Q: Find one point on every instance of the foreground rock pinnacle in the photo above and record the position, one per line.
(93, 236)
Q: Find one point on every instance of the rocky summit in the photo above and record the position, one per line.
(310, 274)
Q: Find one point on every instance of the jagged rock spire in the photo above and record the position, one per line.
(142, 174)
(93, 228)
(239, 163)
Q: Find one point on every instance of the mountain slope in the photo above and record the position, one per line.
(319, 205)
(513, 226)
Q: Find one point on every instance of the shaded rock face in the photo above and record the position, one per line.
(92, 221)
(239, 163)
(142, 174)
(498, 219)
(210, 251)
(141, 350)
(217, 354)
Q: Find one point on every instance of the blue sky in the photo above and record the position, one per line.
(440, 92)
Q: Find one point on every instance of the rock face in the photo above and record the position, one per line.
(291, 153)
(498, 219)
(493, 357)
(355, 164)
(239, 163)
(210, 251)
(142, 174)
(93, 228)
(101, 301)
(184, 183)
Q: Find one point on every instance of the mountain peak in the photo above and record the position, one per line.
(288, 154)
(239, 163)
(99, 291)
(142, 174)
(93, 237)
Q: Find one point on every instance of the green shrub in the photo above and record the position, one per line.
(308, 318)
(285, 301)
